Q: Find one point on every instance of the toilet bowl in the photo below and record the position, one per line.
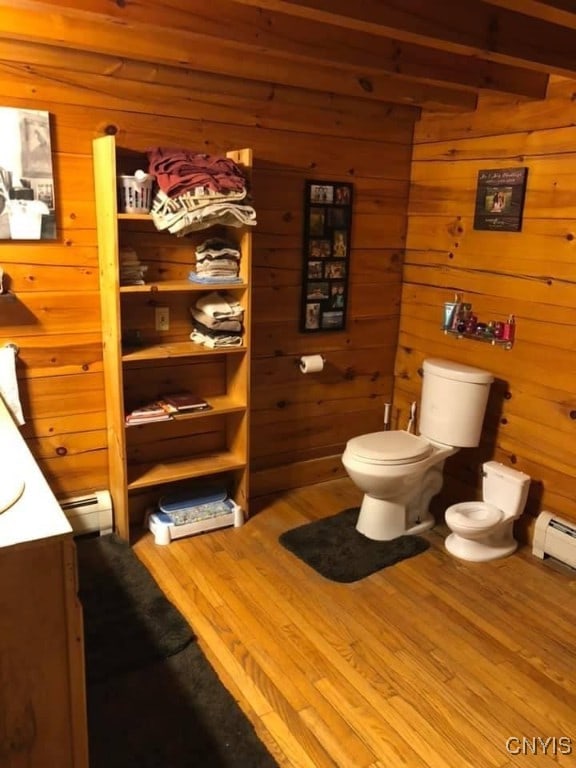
(484, 530)
(400, 472)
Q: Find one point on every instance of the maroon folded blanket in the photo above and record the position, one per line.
(181, 170)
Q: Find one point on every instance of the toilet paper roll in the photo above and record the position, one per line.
(9, 382)
(311, 363)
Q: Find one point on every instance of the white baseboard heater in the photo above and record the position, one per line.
(89, 514)
(556, 538)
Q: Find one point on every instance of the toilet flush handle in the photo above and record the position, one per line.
(387, 407)
(412, 418)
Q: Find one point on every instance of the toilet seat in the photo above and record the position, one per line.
(473, 516)
(389, 448)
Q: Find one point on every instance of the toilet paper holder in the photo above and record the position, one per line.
(298, 360)
(311, 363)
(11, 345)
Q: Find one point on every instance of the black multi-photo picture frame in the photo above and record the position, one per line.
(326, 256)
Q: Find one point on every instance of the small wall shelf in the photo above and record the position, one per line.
(503, 343)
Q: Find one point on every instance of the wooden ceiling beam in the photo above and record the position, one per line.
(561, 12)
(284, 36)
(469, 27)
(434, 56)
(155, 34)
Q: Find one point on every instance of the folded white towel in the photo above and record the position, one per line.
(214, 343)
(216, 323)
(216, 304)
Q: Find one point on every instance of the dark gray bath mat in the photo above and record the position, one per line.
(337, 551)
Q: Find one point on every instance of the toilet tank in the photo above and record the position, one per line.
(504, 487)
(453, 403)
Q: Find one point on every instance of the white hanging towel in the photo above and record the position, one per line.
(9, 382)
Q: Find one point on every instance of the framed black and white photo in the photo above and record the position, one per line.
(500, 197)
(27, 199)
(326, 255)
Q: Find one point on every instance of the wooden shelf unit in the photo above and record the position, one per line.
(145, 475)
(176, 285)
(174, 349)
(148, 460)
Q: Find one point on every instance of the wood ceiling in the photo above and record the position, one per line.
(424, 54)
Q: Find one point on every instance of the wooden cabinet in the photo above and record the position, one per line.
(42, 687)
(142, 362)
(42, 696)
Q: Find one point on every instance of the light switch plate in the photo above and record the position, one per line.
(162, 319)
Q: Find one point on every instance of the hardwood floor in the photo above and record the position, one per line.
(432, 663)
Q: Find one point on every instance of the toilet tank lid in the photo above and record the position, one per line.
(496, 468)
(457, 371)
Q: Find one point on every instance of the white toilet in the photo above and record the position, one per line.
(400, 472)
(483, 530)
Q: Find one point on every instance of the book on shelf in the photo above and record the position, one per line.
(185, 401)
(155, 411)
(130, 422)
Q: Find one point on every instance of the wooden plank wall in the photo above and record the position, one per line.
(300, 424)
(531, 418)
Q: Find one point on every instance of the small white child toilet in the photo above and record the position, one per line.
(483, 530)
(400, 472)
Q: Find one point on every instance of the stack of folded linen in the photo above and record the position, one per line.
(217, 320)
(131, 269)
(217, 261)
(197, 191)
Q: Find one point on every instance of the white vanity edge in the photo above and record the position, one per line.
(36, 514)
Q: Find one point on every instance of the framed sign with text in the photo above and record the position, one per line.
(500, 197)
(326, 256)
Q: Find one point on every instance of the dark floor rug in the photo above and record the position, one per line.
(337, 551)
(156, 702)
(128, 622)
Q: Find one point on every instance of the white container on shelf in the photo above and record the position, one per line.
(135, 193)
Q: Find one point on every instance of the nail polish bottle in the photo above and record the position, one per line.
(509, 329)
(481, 329)
(457, 316)
(450, 309)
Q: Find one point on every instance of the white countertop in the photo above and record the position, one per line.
(36, 514)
